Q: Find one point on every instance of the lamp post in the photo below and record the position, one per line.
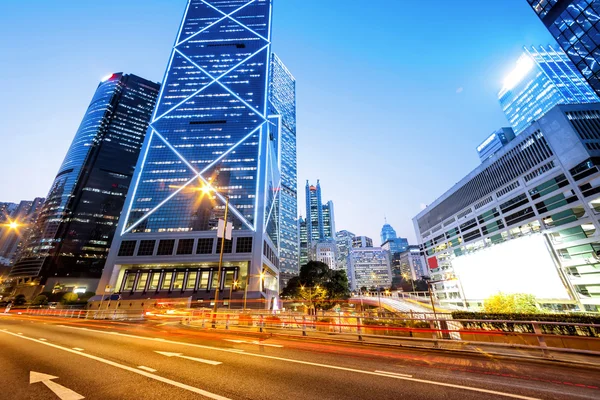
(207, 189)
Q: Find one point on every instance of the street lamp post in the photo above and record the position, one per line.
(214, 320)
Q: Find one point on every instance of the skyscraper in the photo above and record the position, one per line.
(344, 245)
(78, 220)
(314, 212)
(574, 25)
(12, 239)
(328, 220)
(387, 232)
(361, 241)
(304, 242)
(282, 94)
(542, 78)
(213, 136)
(495, 142)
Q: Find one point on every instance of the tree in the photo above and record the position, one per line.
(319, 285)
(20, 300)
(518, 303)
(40, 300)
(69, 297)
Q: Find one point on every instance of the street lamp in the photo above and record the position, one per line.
(405, 276)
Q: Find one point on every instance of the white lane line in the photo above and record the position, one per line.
(147, 368)
(77, 349)
(473, 389)
(179, 355)
(19, 333)
(252, 342)
(393, 373)
(130, 369)
(42, 339)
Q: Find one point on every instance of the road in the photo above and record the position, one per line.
(112, 360)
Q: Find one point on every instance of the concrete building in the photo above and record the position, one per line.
(361, 241)
(24, 215)
(370, 268)
(326, 252)
(494, 143)
(525, 220)
(344, 245)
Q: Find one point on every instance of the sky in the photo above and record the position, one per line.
(393, 96)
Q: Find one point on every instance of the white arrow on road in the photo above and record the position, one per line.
(165, 353)
(62, 392)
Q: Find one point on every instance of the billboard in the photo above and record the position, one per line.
(523, 265)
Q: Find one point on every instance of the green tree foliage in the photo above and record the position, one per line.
(69, 298)
(319, 285)
(19, 300)
(511, 303)
(40, 300)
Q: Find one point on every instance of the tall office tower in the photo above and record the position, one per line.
(304, 242)
(524, 221)
(328, 221)
(212, 138)
(574, 25)
(396, 245)
(370, 268)
(541, 79)
(24, 216)
(387, 232)
(361, 241)
(71, 239)
(282, 94)
(495, 142)
(314, 212)
(344, 245)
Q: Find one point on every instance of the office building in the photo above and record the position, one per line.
(213, 141)
(370, 268)
(524, 221)
(325, 251)
(495, 142)
(411, 264)
(328, 220)
(320, 218)
(542, 78)
(387, 232)
(24, 215)
(574, 25)
(361, 241)
(304, 242)
(75, 227)
(396, 245)
(344, 245)
(282, 96)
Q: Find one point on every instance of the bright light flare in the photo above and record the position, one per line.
(524, 65)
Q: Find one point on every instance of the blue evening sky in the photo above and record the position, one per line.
(393, 95)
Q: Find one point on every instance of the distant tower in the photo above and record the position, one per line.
(387, 232)
(314, 212)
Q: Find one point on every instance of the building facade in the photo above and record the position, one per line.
(370, 268)
(75, 227)
(575, 26)
(525, 220)
(213, 141)
(495, 142)
(325, 251)
(328, 221)
(24, 215)
(396, 245)
(361, 241)
(542, 78)
(387, 233)
(314, 212)
(282, 92)
(344, 245)
(412, 264)
(304, 242)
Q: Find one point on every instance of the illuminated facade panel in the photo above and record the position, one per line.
(539, 195)
(575, 24)
(370, 268)
(542, 78)
(79, 218)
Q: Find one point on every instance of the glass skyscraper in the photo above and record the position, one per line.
(78, 220)
(575, 24)
(542, 78)
(224, 117)
(387, 233)
(283, 100)
(320, 218)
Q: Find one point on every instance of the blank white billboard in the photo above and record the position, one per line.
(522, 265)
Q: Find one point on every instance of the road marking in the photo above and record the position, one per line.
(127, 368)
(77, 349)
(393, 373)
(147, 368)
(473, 389)
(42, 339)
(60, 391)
(252, 342)
(19, 333)
(179, 355)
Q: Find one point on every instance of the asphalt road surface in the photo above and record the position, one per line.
(51, 358)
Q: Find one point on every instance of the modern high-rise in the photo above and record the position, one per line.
(387, 233)
(542, 78)
(396, 245)
(328, 220)
(344, 245)
(282, 96)
(304, 257)
(214, 139)
(495, 142)
(70, 241)
(325, 251)
(524, 221)
(314, 212)
(574, 25)
(370, 268)
(12, 239)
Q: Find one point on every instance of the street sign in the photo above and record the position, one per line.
(228, 230)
